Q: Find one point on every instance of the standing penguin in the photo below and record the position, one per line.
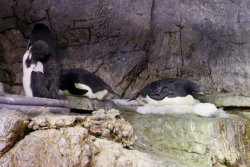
(40, 67)
(80, 82)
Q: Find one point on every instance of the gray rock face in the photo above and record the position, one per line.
(70, 147)
(97, 140)
(129, 44)
(192, 140)
(12, 126)
(228, 100)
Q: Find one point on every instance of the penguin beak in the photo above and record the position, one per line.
(200, 93)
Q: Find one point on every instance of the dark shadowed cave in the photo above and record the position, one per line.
(131, 43)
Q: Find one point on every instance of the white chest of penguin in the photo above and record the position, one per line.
(90, 94)
(177, 105)
(27, 71)
(98, 95)
(187, 100)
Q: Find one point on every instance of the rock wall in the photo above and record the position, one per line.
(131, 43)
(109, 138)
(97, 140)
(192, 140)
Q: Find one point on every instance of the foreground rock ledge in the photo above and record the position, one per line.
(102, 139)
(193, 140)
(227, 100)
(71, 147)
(59, 140)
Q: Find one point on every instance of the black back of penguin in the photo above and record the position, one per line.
(171, 87)
(42, 32)
(69, 77)
(43, 43)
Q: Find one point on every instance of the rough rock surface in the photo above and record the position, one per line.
(228, 100)
(71, 147)
(128, 158)
(99, 140)
(131, 43)
(106, 124)
(1, 87)
(193, 140)
(89, 104)
(72, 141)
(12, 127)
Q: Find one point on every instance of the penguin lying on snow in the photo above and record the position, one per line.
(201, 109)
(80, 82)
(169, 91)
(40, 67)
(174, 95)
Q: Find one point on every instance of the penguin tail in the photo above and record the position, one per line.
(164, 109)
(116, 95)
(135, 97)
(125, 102)
(208, 110)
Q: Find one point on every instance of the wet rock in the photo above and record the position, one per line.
(88, 104)
(73, 147)
(193, 140)
(63, 141)
(114, 155)
(168, 140)
(63, 147)
(227, 100)
(1, 87)
(96, 124)
(7, 18)
(12, 128)
(13, 45)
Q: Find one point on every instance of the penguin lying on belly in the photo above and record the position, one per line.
(169, 91)
(174, 96)
(80, 82)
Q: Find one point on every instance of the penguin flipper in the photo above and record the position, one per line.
(39, 85)
(76, 91)
(135, 97)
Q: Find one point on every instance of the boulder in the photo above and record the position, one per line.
(97, 140)
(74, 147)
(228, 100)
(193, 140)
(13, 125)
(84, 103)
(102, 123)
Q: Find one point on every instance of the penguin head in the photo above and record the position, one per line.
(40, 51)
(155, 88)
(193, 89)
(152, 89)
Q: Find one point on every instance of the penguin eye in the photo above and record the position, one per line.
(156, 88)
